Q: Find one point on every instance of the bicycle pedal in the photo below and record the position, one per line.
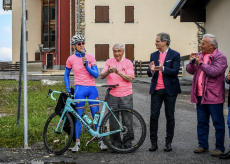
(57, 132)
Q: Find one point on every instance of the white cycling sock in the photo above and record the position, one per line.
(78, 142)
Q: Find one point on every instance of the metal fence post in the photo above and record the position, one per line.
(140, 68)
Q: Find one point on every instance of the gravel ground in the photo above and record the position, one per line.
(185, 139)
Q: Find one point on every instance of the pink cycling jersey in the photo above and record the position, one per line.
(81, 75)
(125, 66)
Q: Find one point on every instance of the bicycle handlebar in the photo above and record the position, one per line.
(62, 92)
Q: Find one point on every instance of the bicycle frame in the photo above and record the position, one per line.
(68, 108)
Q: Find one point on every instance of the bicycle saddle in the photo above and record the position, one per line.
(112, 86)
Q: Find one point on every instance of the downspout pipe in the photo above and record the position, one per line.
(203, 30)
(78, 16)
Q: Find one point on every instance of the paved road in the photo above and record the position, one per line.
(185, 140)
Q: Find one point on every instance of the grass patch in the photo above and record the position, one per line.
(39, 109)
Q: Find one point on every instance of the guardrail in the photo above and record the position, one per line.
(141, 67)
(4, 66)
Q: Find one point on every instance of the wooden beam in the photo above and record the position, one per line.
(192, 15)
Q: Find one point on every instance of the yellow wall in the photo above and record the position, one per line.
(33, 26)
(151, 17)
(218, 24)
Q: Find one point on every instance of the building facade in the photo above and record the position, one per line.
(135, 24)
(214, 14)
(103, 23)
(48, 22)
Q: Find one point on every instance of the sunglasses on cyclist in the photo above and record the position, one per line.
(81, 43)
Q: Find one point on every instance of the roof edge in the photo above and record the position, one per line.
(175, 7)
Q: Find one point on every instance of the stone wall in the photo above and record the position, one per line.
(199, 34)
(82, 17)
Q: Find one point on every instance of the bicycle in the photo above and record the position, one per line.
(59, 131)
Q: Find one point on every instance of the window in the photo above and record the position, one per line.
(45, 13)
(37, 56)
(129, 14)
(49, 26)
(52, 38)
(101, 14)
(26, 14)
(129, 51)
(45, 36)
(52, 13)
(102, 51)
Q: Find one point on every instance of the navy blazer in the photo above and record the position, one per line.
(170, 74)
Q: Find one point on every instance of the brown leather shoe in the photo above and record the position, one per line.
(200, 150)
(217, 153)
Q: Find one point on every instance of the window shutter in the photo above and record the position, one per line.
(129, 14)
(102, 51)
(101, 14)
(37, 56)
(26, 35)
(129, 51)
(105, 14)
(26, 14)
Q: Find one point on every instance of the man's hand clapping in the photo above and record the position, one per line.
(152, 66)
(160, 67)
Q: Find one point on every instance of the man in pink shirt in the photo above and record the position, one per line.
(164, 88)
(119, 70)
(208, 92)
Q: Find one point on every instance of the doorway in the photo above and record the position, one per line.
(49, 61)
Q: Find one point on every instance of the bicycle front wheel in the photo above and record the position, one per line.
(133, 135)
(58, 142)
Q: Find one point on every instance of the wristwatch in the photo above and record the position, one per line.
(200, 63)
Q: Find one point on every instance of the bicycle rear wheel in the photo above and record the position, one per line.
(58, 143)
(133, 135)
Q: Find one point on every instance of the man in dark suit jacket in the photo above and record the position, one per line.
(163, 68)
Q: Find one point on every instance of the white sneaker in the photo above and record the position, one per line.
(102, 146)
(76, 148)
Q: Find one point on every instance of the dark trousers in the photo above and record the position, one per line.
(203, 114)
(157, 99)
(228, 122)
(127, 120)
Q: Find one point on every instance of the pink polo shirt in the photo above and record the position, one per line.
(160, 82)
(200, 79)
(125, 66)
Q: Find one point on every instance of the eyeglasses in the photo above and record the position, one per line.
(81, 43)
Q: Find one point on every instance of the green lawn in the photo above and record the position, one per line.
(39, 109)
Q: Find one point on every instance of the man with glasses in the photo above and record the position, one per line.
(85, 70)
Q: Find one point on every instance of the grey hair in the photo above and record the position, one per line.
(118, 45)
(165, 37)
(213, 39)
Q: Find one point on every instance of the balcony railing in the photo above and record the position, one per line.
(7, 4)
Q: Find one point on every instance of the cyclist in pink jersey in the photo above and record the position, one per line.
(85, 70)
